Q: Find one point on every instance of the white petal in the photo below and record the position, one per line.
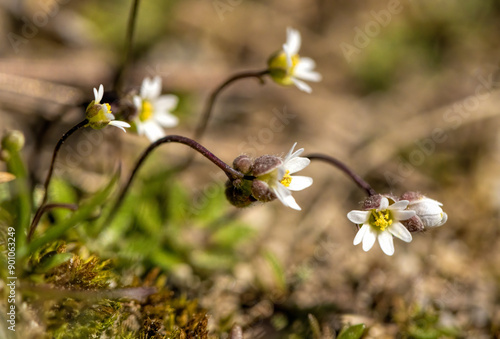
(386, 243)
(402, 215)
(166, 103)
(166, 119)
(361, 233)
(109, 116)
(301, 85)
(305, 63)
(290, 202)
(384, 203)
(98, 94)
(293, 40)
(120, 124)
(155, 89)
(296, 164)
(307, 75)
(398, 230)
(304, 70)
(153, 131)
(369, 239)
(288, 56)
(299, 183)
(358, 217)
(400, 205)
(285, 196)
(137, 102)
(289, 154)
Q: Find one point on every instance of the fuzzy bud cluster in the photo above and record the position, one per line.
(244, 192)
(428, 212)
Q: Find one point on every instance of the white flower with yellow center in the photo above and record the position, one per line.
(287, 67)
(382, 223)
(275, 175)
(100, 115)
(154, 110)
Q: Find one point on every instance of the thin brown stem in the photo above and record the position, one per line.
(40, 210)
(46, 208)
(202, 125)
(341, 166)
(132, 19)
(231, 173)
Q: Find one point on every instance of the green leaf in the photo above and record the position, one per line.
(232, 234)
(352, 332)
(165, 260)
(61, 192)
(83, 213)
(49, 262)
(278, 270)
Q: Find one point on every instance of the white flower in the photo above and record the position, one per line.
(429, 211)
(154, 110)
(382, 223)
(100, 115)
(282, 183)
(287, 67)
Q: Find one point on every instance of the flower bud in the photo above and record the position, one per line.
(13, 141)
(261, 191)
(265, 164)
(428, 210)
(238, 194)
(279, 69)
(98, 115)
(243, 163)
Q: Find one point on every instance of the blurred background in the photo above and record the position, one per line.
(409, 100)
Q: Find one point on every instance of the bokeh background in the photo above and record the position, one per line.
(409, 100)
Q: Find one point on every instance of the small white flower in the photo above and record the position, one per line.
(287, 67)
(154, 110)
(429, 211)
(100, 115)
(283, 183)
(382, 223)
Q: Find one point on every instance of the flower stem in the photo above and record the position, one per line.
(132, 19)
(45, 208)
(202, 125)
(341, 166)
(61, 141)
(231, 173)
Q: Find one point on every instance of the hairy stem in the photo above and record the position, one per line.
(202, 125)
(40, 210)
(231, 173)
(341, 166)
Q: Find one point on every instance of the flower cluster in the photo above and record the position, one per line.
(383, 217)
(286, 67)
(271, 178)
(100, 115)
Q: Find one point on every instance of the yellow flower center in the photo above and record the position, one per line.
(381, 219)
(146, 111)
(280, 72)
(287, 179)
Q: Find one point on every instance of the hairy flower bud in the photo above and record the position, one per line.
(243, 163)
(261, 191)
(428, 210)
(237, 193)
(265, 164)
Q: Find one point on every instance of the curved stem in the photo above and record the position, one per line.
(202, 125)
(40, 210)
(45, 208)
(132, 19)
(231, 173)
(341, 166)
